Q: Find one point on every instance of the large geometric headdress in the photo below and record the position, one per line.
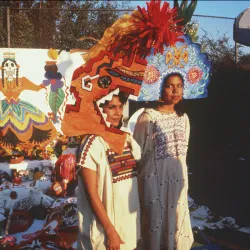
(184, 58)
(117, 63)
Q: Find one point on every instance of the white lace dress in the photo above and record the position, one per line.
(163, 180)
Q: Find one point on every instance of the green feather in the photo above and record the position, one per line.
(56, 100)
(176, 4)
(183, 7)
(190, 11)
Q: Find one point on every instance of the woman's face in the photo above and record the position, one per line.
(173, 90)
(114, 111)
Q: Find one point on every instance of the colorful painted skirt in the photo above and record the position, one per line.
(21, 122)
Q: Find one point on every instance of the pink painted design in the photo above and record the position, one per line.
(151, 74)
(194, 75)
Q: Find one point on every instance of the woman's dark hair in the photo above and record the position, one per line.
(179, 107)
(173, 74)
(123, 97)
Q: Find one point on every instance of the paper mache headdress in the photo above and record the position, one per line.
(184, 58)
(117, 63)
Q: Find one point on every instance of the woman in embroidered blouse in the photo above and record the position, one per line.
(163, 135)
(108, 200)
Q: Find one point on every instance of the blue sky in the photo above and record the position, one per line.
(213, 8)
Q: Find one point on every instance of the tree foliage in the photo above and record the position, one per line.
(58, 24)
(219, 50)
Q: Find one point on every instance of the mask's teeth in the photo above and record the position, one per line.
(103, 100)
(109, 98)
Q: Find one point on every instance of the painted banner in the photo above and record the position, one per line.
(34, 91)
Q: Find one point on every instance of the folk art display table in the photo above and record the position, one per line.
(38, 204)
(26, 165)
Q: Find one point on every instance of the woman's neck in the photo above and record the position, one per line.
(165, 108)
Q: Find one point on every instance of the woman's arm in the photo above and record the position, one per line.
(143, 131)
(187, 128)
(1, 85)
(89, 178)
(89, 156)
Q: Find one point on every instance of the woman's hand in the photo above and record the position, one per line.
(114, 240)
(89, 178)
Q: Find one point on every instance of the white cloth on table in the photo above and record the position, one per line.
(25, 165)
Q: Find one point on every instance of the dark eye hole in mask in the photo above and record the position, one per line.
(104, 82)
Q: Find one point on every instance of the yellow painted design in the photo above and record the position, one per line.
(178, 56)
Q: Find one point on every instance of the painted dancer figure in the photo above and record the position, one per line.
(20, 121)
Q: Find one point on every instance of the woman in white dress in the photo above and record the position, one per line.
(108, 200)
(163, 134)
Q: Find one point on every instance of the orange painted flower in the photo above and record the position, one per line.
(151, 74)
(194, 75)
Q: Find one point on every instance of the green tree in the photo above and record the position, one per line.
(90, 20)
(45, 15)
(3, 28)
(219, 50)
(57, 24)
(74, 24)
(21, 30)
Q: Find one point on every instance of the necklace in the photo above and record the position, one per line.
(165, 111)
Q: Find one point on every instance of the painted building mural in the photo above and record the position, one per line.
(34, 91)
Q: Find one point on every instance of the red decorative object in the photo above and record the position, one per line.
(7, 241)
(151, 74)
(16, 159)
(17, 180)
(20, 221)
(194, 75)
(65, 167)
(58, 189)
(153, 28)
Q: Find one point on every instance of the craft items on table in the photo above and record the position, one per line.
(24, 204)
(26, 165)
(21, 197)
(20, 221)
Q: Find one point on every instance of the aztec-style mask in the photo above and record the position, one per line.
(117, 64)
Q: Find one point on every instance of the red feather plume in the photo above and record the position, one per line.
(151, 28)
(158, 25)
